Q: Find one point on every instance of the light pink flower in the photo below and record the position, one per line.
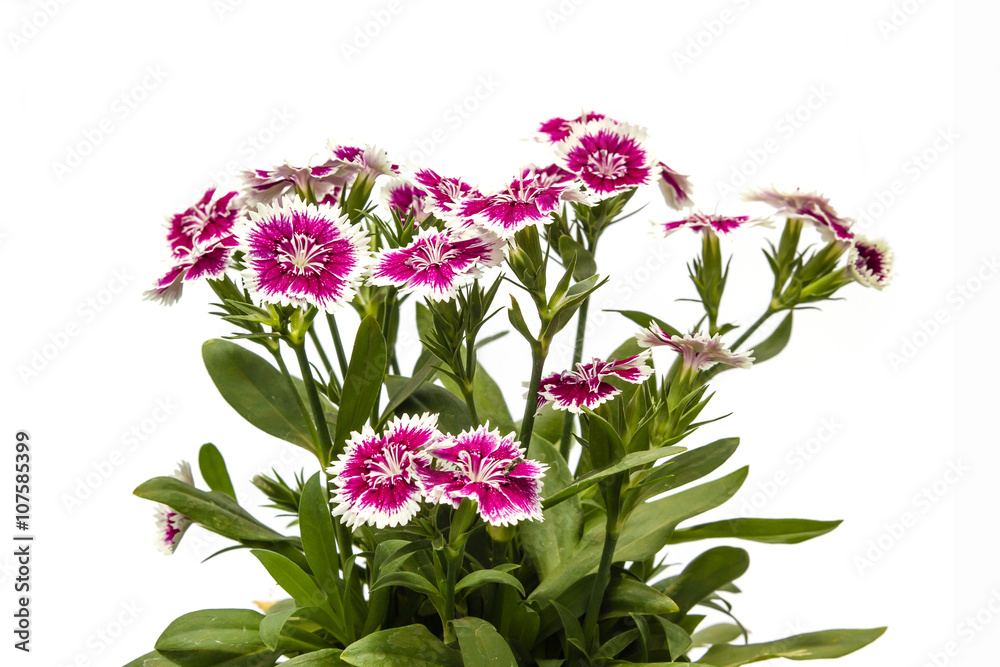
(676, 188)
(699, 352)
(170, 524)
(870, 262)
(368, 160)
(324, 183)
(808, 206)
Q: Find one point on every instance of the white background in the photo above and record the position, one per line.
(841, 97)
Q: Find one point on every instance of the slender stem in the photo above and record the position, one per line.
(538, 353)
(613, 502)
(453, 558)
(470, 401)
(390, 302)
(322, 353)
(581, 330)
(313, 433)
(338, 344)
(319, 417)
(753, 327)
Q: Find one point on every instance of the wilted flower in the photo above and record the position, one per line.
(446, 193)
(608, 157)
(324, 183)
(436, 263)
(525, 201)
(699, 352)
(171, 525)
(676, 188)
(708, 223)
(809, 206)
(201, 242)
(555, 130)
(870, 262)
(404, 198)
(484, 466)
(376, 476)
(587, 386)
(299, 254)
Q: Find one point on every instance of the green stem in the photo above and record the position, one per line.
(390, 303)
(453, 558)
(319, 417)
(314, 337)
(753, 327)
(313, 433)
(538, 352)
(338, 344)
(613, 502)
(470, 401)
(568, 421)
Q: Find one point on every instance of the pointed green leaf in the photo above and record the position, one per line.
(362, 382)
(409, 646)
(706, 574)
(479, 577)
(768, 531)
(810, 646)
(481, 644)
(213, 470)
(629, 461)
(214, 637)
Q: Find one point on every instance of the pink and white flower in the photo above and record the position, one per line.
(525, 201)
(369, 161)
(707, 223)
(870, 262)
(300, 254)
(404, 198)
(201, 240)
(170, 524)
(324, 183)
(608, 157)
(555, 130)
(676, 188)
(377, 477)
(810, 206)
(446, 193)
(437, 263)
(490, 469)
(699, 352)
(547, 176)
(587, 386)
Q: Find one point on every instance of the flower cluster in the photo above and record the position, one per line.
(381, 479)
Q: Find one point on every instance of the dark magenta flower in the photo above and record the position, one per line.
(707, 223)
(870, 262)
(555, 130)
(608, 157)
(587, 386)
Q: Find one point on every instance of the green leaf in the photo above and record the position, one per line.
(453, 415)
(627, 462)
(570, 250)
(768, 531)
(646, 532)
(362, 382)
(213, 510)
(213, 470)
(328, 657)
(214, 637)
(292, 579)
(563, 310)
(643, 320)
(490, 403)
(618, 643)
(809, 646)
(685, 468)
(571, 626)
(603, 443)
(722, 633)
(411, 580)
(481, 644)
(480, 577)
(319, 541)
(704, 575)
(627, 596)
(409, 646)
(257, 391)
(400, 388)
(775, 343)
(281, 634)
(550, 543)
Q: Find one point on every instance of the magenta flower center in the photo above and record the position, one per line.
(606, 164)
(490, 471)
(387, 467)
(870, 258)
(431, 254)
(170, 530)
